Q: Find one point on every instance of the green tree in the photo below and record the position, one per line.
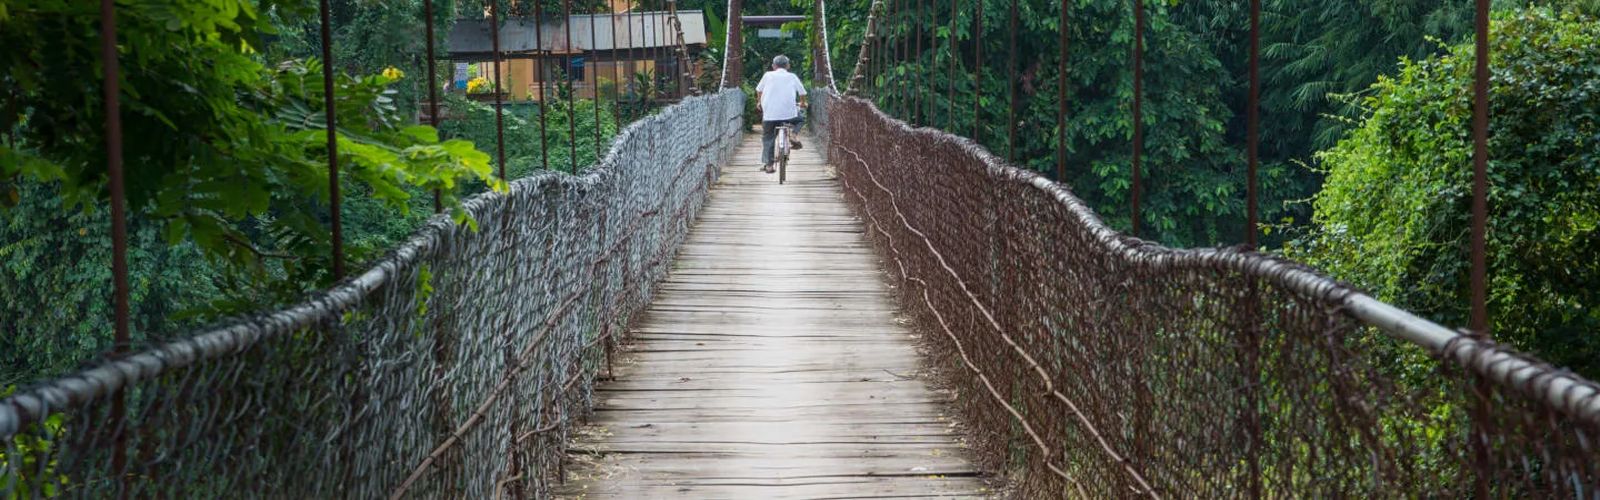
(1192, 179)
(1393, 216)
(229, 145)
(59, 258)
(226, 167)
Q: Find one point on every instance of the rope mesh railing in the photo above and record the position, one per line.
(452, 369)
(1108, 366)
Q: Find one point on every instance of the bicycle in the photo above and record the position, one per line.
(783, 145)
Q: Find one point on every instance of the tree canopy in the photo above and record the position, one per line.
(1393, 216)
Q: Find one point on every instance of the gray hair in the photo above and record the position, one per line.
(782, 61)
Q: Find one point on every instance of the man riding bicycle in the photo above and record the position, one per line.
(779, 97)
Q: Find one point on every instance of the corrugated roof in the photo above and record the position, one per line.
(650, 29)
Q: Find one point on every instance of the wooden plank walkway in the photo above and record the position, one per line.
(770, 364)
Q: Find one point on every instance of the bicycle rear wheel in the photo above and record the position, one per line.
(783, 154)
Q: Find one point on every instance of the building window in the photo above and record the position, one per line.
(575, 69)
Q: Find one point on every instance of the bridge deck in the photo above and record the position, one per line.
(771, 365)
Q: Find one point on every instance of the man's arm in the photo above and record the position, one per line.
(800, 89)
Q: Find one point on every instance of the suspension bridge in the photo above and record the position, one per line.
(911, 316)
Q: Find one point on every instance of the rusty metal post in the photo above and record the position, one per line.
(1138, 99)
(916, 58)
(331, 120)
(1480, 167)
(1253, 126)
(1011, 87)
(433, 89)
(1479, 320)
(950, 77)
(544, 104)
(572, 90)
(876, 63)
(658, 26)
(977, 74)
(902, 48)
(593, 68)
(499, 107)
(886, 46)
(633, 69)
(121, 340)
(886, 58)
(331, 123)
(652, 35)
(616, 66)
(1063, 80)
(1253, 317)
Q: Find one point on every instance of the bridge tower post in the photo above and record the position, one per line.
(733, 56)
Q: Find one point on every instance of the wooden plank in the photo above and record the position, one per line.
(772, 364)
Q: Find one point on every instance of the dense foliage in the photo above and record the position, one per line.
(1195, 87)
(226, 161)
(1394, 214)
(233, 155)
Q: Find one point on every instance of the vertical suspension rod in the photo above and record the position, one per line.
(593, 68)
(1138, 99)
(916, 61)
(1253, 126)
(633, 68)
(1252, 295)
(977, 73)
(902, 51)
(1011, 87)
(1480, 170)
(544, 104)
(891, 56)
(499, 107)
(1062, 80)
(433, 89)
(616, 66)
(330, 118)
(879, 53)
(112, 89)
(1479, 318)
(572, 90)
(950, 78)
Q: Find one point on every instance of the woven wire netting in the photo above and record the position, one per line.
(454, 368)
(1091, 364)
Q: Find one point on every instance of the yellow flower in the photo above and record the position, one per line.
(393, 73)
(476, 85)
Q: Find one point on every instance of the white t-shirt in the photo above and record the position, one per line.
(779, 89)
